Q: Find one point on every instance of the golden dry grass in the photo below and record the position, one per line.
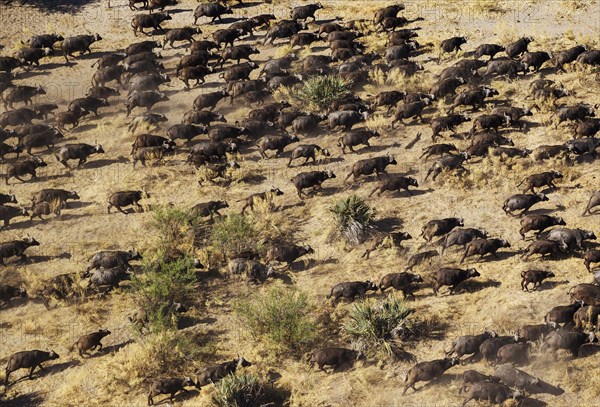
(117, 377)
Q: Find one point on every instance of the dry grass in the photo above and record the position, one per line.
(117, 377)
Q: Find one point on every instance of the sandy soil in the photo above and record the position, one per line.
(67, 243)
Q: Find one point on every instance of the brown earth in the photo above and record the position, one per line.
(67, 243)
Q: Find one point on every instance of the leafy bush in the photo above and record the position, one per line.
(380, 325)
(233, 234)
(244, 390)
(353, 216)
(281, 316)
(160, 285)
(175, 228)
(322, 90)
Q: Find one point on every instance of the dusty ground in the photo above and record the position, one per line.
(66, 244)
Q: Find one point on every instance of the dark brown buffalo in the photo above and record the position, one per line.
(126, 198)
(522, 202)
(538, 223)
(426, 371)
(545, 248)
(452, 277)
(28, 359)
(369, 166)
(207, 209)
(482, 247)
(169, 386)
(90, 342)
(17, 170)
(334, 357)
(593, 202)
(567, 340)
(562, 314)
(469, 344)
(514, 353)
(401, 282)
(494, 392)
(212, 374)
(351, 290)
(534, 276)
(440, 227)
(141, 21)
(311, 179)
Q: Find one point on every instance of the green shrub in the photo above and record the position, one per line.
(279, 315)
(160, 285)
(353, 216)
(175, 231)
(243, 390)
(322, 90)
(379, 324)
(233, 234)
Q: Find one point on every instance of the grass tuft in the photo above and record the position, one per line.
(322, 90)
(233, 234)
(380, 325)
(244, 390)
(281, 316)
(159, 286)
(353, 216)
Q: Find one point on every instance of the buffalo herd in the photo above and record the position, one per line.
(246, 62)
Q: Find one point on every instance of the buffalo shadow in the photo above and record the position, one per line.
(78, 204)
(373, 149)
(444, 380)
(586, 158)
(294, 205)
(224, 20)
(109, 349)
(178, 10)
(254, 179)
(544, 211)
(31, 73)
(48, 370)
(324, 161)
(352, 184)
(388, 224)
(317, 49)
(39, 259)
(307, 264)
(19, 225)
(84, 127)
(207, 320)
(92, 55)
(185, 321)
(284, 278)
(324, 191)
(51, 6)
(588, 349)
(529, 402)
(103, 162)
(405, 194)
(549, 285)
(473, 285)
(247, 4)
(15, 302)
(31, 399)
(180, 396)
(488, 258)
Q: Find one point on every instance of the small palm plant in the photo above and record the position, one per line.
(380, 325)
(353, 216)
(322, 90)
(244, 390)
